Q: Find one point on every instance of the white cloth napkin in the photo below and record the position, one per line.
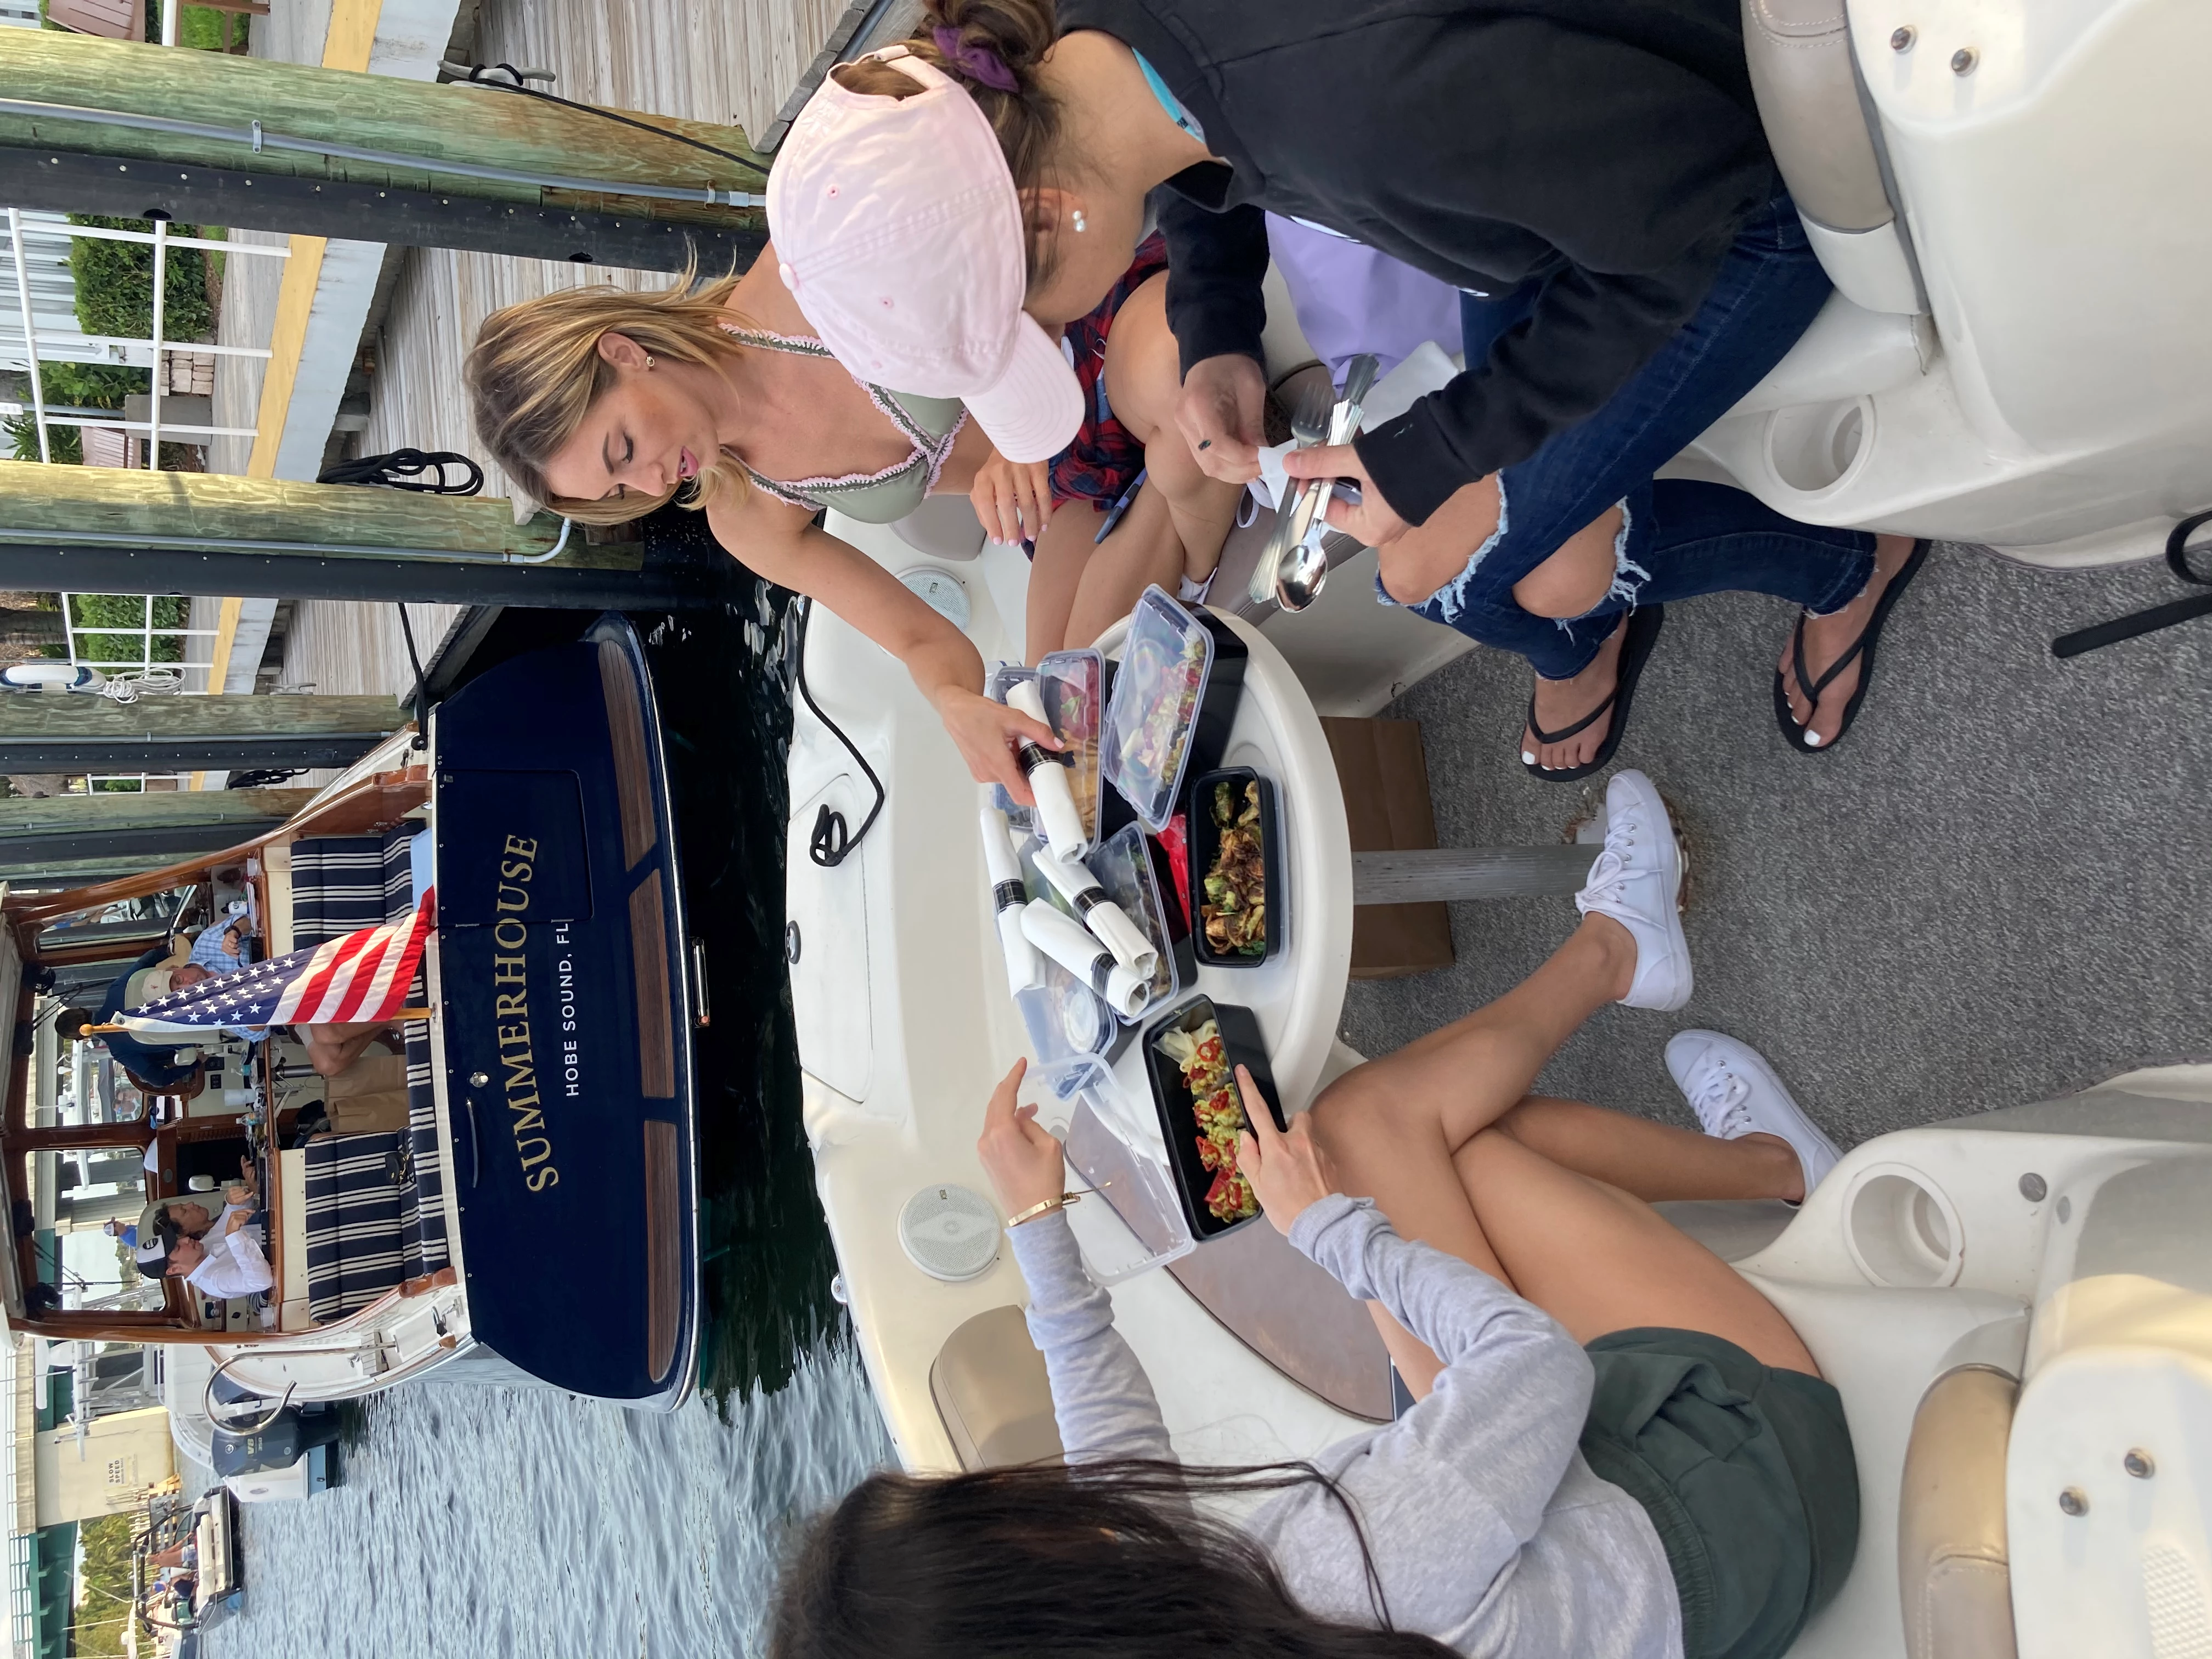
(1008, 896)
(1070, 944)
(1100, 913)
(1056, 813)
(1429, 369)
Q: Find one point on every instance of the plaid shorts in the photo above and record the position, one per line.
(1104, 460)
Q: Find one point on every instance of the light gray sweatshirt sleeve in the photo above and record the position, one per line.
(1451, 1493)
(1101, 1397)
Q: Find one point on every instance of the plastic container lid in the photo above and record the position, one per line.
(994, 686)
(1073, 684)
(1064, 1018)
(1131, 1221)
(1156, 692)
(1124, 868)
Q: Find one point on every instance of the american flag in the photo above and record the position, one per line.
(363, 976)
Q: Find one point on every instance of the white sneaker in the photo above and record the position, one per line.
(1636, 880)
(1735, 1092)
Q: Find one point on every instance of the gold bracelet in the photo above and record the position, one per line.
(1047, 1206)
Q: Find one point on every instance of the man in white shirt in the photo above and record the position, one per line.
(228, 1262)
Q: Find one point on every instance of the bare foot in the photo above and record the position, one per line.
(1560, 703)
(1828, 637)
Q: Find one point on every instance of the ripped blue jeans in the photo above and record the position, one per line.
(1681, 539)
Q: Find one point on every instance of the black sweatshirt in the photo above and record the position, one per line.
(1610, 145)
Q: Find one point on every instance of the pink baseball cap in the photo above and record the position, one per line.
(900, 234)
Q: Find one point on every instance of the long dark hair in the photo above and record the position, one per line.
(1110, 1560)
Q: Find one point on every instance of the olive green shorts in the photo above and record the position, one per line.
(1746, 1473)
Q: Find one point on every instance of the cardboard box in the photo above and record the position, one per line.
(1385, 778)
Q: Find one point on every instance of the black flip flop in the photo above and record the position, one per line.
(1863, 648)
(1641, 633)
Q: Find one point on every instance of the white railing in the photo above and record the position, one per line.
(154, 348)
(146, 633)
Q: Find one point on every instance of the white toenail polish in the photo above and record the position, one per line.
(1527, 758)
(1813, 739)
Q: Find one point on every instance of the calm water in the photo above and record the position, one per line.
(476, 1521)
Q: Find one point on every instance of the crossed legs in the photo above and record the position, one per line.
(1551, 1197)
(331, 1049)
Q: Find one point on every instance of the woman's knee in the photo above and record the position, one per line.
(1432, 555)
(1575, 579)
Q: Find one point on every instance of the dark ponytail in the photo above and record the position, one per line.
(1017, 33)
(1098, 1561)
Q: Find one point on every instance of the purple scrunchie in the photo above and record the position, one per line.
(979, 63)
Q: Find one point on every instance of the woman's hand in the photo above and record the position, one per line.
(986, 732)
(1025, 1163)
(1371, 520)
(1012, 499)
(236, 1222)
(1288, 1172)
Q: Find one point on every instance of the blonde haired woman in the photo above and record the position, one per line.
(606, 403)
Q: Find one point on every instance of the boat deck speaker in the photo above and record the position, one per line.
(950, 1232)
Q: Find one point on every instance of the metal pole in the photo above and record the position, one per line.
(30, 332)
(1469, 872)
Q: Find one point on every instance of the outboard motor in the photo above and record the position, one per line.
(291, 1435)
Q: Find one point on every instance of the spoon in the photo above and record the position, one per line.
(1309, 423)
(1303, 568)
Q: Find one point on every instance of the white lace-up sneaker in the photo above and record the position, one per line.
(1636, 880)
(1735, 1092)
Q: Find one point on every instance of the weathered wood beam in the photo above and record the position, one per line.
(43, 732)
(1469, 872)
(164, 809)
(405, 140)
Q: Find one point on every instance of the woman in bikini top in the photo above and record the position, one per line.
(605, 404)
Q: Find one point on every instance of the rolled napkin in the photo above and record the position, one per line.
(1100, 915)
(1067, 943)
(1008, 897)
(1048, 776)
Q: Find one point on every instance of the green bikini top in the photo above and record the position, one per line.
(930, 424)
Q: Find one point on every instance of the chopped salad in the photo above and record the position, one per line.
(1149, 753)
(1204, 1062)
(1235, 910)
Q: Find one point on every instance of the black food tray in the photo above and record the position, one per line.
(1240, 1041)
(1205, 839)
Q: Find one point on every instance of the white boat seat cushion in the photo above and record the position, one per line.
(990, 1386)
(1954, 1575)
(1800, 53)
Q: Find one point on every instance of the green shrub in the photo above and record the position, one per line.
(123, 610)
(72, 386)
(115, 284)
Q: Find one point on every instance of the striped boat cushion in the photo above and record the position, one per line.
(343, 882)
(340, 884)
(356, 1228)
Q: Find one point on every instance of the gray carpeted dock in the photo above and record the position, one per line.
(1999, 888)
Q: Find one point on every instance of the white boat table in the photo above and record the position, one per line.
(1298, 994)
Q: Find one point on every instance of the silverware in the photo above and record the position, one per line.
(1310, 424)
(1302, 568)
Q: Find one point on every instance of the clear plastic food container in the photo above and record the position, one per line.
(1157, 690)
(1064, 1018)
(994, 686)
(1124, 869)
(1130, 1222)
(1073, 684)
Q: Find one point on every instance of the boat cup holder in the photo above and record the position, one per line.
(1901, 1230)
(1815, 447)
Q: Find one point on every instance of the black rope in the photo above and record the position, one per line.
(403, 469)
(829, 845)
(415, 696)
(2139, 622)
(479, 76)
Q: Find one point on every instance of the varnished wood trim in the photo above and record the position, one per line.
(656, 1037)
(664, 1246)
(626, 732)
(426, 1283)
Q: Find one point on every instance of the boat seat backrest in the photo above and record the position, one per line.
(1800, 53)
(1954, 1575)
(991, 1389)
